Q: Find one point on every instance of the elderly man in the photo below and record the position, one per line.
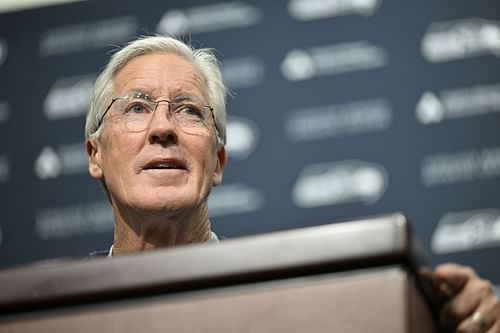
(155, 136)
(155, 139)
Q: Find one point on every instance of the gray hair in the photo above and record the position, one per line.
(203, 59)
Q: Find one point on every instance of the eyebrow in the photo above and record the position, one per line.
(149, 95)
(138, 92)
(183, 98)
(177, 99)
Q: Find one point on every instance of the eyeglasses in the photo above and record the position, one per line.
(135, 110)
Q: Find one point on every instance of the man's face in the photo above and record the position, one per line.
(164, 168)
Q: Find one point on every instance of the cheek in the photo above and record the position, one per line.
(120, 152)
(205, 156)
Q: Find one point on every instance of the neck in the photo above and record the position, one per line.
(137, 232)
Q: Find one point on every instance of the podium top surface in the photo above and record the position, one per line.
(334, 247)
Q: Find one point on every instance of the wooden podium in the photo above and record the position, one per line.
(344, 277)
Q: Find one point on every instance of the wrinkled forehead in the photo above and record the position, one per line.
(160, 75)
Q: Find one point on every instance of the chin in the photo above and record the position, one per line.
(158, 204)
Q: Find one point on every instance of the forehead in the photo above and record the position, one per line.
(160, 74)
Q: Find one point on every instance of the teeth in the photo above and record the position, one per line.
(165, 166)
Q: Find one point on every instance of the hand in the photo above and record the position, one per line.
(473, 305)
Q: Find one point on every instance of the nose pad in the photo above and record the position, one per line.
(162, 129)
(158, 112)
(158, 106)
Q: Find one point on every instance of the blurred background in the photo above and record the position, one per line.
(341, 109)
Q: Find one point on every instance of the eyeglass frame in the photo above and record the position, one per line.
(156, 102)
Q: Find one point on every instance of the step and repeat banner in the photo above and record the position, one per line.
(339, 109)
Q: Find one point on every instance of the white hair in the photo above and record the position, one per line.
(203, 59)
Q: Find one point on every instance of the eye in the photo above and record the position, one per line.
(189, 111)
(137, 107)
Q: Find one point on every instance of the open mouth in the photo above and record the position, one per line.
(168, 164)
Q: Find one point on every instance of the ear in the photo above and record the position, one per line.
(221, 163)
(94, 159)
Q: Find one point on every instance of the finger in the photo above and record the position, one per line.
(453, 277)
(477, 298)
(475, 291)
(478, 322)
(452, 316)
(495, 328)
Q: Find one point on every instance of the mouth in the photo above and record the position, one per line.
(165, 164)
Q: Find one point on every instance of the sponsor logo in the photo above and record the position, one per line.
(74, 220)
(68, 159)
(48, 164)
(233, 199)
(4, 50)
(462, 166)
(463, 231)
(69, 97)
(458, 103)
(460, 39)
(429, 109)
(307, 10)
(4, 169)
(322, 122)
(339, 182)
(87, 36)
(305, 64)
(243, 72)
(219, 16)
(4, 112)
(242, 137)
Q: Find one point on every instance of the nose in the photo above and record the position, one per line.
(162, 127)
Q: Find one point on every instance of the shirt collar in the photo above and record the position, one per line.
(213, 239)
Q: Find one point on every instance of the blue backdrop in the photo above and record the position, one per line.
(340, 109)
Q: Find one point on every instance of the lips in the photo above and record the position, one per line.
(165, 164)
